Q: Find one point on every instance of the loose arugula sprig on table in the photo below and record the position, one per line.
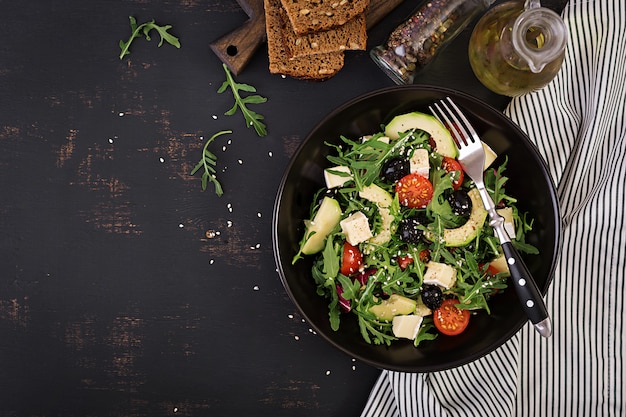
(144, 29)
(207, 164)
(252, 118)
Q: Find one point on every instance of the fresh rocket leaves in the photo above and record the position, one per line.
(474, 284)
(208, 160)
(144, 30)
(252, 118)
(366, 157)
(207, 165)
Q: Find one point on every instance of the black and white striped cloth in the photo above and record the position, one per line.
(579, 126)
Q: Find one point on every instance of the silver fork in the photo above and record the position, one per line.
(472, 159)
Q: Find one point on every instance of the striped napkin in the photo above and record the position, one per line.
(578, 124)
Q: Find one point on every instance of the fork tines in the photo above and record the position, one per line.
(448, 113)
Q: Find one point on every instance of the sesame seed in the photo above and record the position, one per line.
(161, 160)
(214, 117)
(296, 337)
(255, 288)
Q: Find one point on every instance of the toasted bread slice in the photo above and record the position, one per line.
(320, 66)
(350, 36)
(307, 16)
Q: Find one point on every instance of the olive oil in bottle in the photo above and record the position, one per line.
(514, 49)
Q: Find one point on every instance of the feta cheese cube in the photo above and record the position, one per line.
(383, 139)
(418, 163)
(406, 327)
(334, 180)
(356, 228)
(509, 223)
(440, 274)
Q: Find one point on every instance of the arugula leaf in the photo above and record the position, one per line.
(439, 204)
(145, 28)
(426, 332)
(370, 326)
(207, 163)
(252, 118)
(331, 258)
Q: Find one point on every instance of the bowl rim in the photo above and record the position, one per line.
(506, 336)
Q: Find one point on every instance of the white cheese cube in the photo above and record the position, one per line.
(383, 139)
(356, 228)
(418, 163)
(406, 327)
(440, 274)
(490, 155)
(509, 223)
(334, 180)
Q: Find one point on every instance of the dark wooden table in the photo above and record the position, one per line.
(125, 289)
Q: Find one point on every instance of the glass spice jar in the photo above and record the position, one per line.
(416, 42)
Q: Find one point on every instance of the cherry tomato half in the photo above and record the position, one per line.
(449, 319)
(490, 271)
(352, 259)
(404, 261)
(452, 166)
(414, 191)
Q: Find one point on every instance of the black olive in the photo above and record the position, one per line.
(432, 296)
(395, 168)
(460, 203)
(328, 192)
(409, 231)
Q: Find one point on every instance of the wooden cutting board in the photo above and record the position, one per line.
(236, 48)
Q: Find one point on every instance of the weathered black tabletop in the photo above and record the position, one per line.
(125, 289)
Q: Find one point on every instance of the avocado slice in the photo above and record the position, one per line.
(463, 235)
(383, 200)
(429, 124)
(393, 306)
(317, 230)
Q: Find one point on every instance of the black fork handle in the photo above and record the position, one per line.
(527, 291)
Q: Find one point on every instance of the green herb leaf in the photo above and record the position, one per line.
(207, 165)
(145, 28)
(252, 118)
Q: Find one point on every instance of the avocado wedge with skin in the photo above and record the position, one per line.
(421, 121)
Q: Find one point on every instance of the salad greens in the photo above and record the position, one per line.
(144, 29)
(397, 266)
(252, 118)
(207, 165)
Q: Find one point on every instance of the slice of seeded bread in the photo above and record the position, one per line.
(308, 16)
(319, 66)
(350, 36)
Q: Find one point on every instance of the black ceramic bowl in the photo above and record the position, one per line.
(529, 181)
